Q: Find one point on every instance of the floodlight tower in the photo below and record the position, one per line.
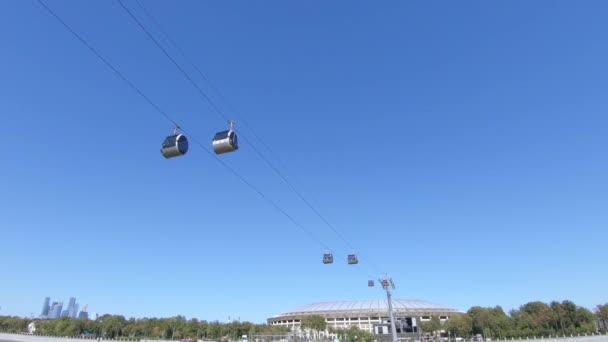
(388, 285)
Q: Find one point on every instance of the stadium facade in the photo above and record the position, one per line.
(367, 315)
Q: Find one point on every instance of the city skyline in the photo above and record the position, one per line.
(229, 318)
(55, 310)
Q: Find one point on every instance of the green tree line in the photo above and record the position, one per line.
(118, 327)
(531, 319)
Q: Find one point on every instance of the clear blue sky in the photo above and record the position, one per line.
(459, 146)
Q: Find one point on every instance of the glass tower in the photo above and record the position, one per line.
(46, 307)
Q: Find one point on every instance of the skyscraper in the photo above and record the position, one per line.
(76, 307)
(45, 308)
(55, 310)
(71, 308)
(84, 313)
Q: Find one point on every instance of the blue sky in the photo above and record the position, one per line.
(458, 146)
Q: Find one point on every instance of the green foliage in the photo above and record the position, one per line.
(601, 312)
(555, 318)
(459, 325)
(314, 322)
(490, 322)
(353, 334)
(431, 327)
(13, 324)
(117, 327)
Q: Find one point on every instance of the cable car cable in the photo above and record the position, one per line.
(218, 110)
(108, 64)
(208, 81)
(259, 192)
(179, 67)
(197, 141)
(209, 100)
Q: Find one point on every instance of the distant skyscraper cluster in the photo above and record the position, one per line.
(55, 310)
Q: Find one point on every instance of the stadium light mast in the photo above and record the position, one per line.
(388, 285)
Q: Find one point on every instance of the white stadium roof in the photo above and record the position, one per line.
(373, 307)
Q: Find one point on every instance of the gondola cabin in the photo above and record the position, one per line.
(352, 259)
(174, 146)
(328, 258)
(370, 283)
(225, 141)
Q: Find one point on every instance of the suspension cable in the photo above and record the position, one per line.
(168, 117)
(218, 110)
(208, 99)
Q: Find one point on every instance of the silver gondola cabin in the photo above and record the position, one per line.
(174, 145)
(328, 258)
(225, 141)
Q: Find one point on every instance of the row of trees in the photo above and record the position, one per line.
(316, 324)
(531, 319)
(118, 327)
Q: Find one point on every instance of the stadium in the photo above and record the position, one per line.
(367, 315)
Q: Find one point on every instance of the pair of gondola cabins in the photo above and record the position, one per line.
(177, 144)
(328, 258)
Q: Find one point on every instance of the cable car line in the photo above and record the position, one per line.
(197, 141)
(352, 258)
(208, 81)
(261, 194)
(218, 110)
(107, 63)
(179, 67)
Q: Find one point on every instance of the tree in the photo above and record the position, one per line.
(480, 318)
(112, 325)
(500, 323)
(316, 323)
(13, 324)
(541, 316)
(558, 316)
(570, 316)
(584, 320)
(214, 330)
(601, 311)
(459, 325)
(432, 326)
(490, 322)
(353, 334)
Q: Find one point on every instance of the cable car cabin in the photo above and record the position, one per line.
(352, 259)
(225, 141)
(328, 258)
(174, 146)
(385, 283)
(370, 283)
